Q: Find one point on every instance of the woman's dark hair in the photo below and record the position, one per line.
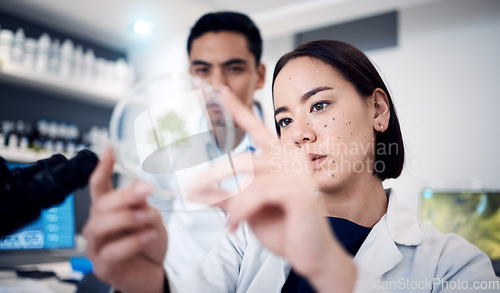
(232, 22)
(355, 67)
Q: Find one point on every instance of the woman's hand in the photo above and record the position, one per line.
(126, 239)
(279, 204)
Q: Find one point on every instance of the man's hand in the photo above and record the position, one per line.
(126, 239)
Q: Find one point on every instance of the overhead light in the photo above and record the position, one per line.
(143, 27)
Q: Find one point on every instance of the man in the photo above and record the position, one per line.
(225, 49)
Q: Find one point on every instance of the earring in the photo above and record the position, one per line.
(381, 128)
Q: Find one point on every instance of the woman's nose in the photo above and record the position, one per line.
(303, 133)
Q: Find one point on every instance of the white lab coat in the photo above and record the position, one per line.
(401, 254)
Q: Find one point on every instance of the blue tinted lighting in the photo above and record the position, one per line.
(482, 205)
(427, 194)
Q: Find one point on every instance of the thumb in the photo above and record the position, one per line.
(100, 180)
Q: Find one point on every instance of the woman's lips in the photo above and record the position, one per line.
(315, 161)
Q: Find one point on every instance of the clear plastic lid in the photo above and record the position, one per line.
(169, 127)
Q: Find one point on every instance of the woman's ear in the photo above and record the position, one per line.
(382, 110)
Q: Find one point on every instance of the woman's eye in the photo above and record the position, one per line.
(319, 106)
(284, 122)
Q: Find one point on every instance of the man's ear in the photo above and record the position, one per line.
(382, 110)
(261, 73)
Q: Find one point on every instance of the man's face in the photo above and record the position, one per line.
(223, 58)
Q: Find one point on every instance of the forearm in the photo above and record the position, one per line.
(154, 284)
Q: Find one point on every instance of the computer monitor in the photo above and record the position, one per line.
(35, 242)
(474, 215)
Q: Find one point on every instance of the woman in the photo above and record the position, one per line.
(339, 139)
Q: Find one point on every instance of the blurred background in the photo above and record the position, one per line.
(440, 59)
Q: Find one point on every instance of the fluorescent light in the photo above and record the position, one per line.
(143, 27)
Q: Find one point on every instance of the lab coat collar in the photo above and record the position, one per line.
(379, 252)
(402, 223)
(399, 226)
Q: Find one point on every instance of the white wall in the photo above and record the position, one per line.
(443, 77)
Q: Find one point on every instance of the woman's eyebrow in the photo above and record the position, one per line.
(279, 110)
(304, 97)
(313, 92)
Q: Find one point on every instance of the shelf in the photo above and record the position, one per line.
(23, 157)
(89, 92)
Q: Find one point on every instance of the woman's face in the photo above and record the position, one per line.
(322, 115)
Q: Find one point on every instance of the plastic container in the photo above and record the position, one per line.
(29, 53)
(88, 66)
(42, 53)
(77, 63)
(6, 38)
(54, 57)
(17, 50)
(66, 59)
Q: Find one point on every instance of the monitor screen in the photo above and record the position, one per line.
(53, 229)
(472, 215)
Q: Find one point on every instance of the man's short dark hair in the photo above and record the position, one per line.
(232, 22)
